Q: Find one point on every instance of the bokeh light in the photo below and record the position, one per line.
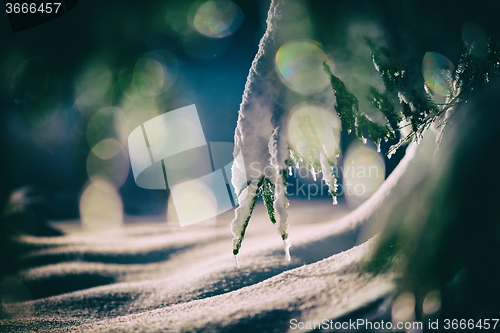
(154, 73)
(114, 169)
(431, 303)
(170, 136)
(363, 172)
(105, 138)
(137, 111)
(403, 308)
(193, 202)
(101, 207)
(107, 148)
(312, 130)
(148, 77)
(105, 124)
(93, 86)
(217, 19)
(300, 65)
(438, 73)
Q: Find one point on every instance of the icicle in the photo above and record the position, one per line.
(287, 249)
(290, 171)
(378, 147)
(325, 168)
(247, 200)
(328, 176)
(280, 200)
(236, 261)
(280, 205)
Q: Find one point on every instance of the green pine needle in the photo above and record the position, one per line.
(267, 189)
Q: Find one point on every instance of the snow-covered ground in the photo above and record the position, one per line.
(155, 276)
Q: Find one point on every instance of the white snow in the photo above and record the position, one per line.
(197, 286)
(154, 277)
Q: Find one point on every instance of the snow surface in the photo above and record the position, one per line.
(154, 277)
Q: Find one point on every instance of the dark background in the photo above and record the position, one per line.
(120, 31)
(53, 159)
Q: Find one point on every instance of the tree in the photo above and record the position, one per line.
(407, 96)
